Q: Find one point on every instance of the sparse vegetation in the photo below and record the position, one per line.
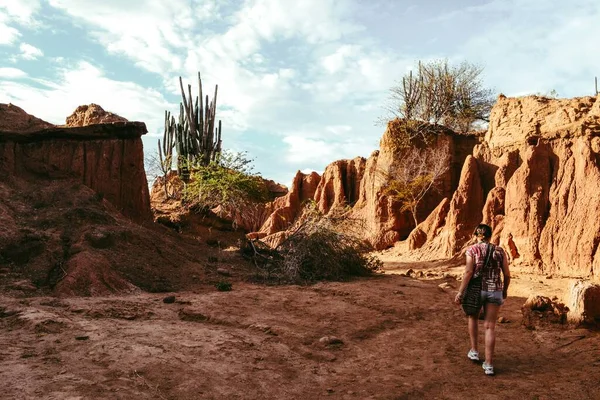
(228, 182)
(316, 249)
(419, 173)
(439, 94)
(195, 136)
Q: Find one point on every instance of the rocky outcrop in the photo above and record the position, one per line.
(339, 186)
(429, 228)
(15, 119)
(359, 184)
(108, 158)
(283, 211)
(584, 303)
(92, 114)
(539, 170)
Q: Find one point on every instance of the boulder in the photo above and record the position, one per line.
(90, 115)
(584, 303)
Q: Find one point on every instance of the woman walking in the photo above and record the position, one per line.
(490, 264)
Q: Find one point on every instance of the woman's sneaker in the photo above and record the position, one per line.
(488, 369)
(473, 355)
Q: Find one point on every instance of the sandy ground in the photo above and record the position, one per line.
(385, 337)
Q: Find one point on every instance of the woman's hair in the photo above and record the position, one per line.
(483, 231)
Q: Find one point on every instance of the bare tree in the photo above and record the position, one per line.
(419, 172)
(441, 94)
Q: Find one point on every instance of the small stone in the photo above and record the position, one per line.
(445, 286)
(331, 341)
(503, 320)
(409, 272)
(223, 271)
(398, 292)
(169, 300)
(549, 277)
(100, 239)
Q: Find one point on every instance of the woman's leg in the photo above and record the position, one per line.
(491, 315)
(473, 322)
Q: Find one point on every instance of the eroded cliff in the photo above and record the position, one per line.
(539, 171)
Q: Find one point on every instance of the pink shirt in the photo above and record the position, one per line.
(491, 275)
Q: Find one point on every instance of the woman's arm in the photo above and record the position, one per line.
(469, 269)
(506, 273)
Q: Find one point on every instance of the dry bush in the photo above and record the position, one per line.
(318, 248)
(437, 94)
(420, 172)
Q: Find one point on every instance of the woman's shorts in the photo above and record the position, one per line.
(492, 298)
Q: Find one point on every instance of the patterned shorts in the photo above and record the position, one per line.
(492, 298)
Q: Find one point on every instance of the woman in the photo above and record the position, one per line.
(493, 291)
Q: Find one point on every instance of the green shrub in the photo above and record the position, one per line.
(228, 182)
(223, 286)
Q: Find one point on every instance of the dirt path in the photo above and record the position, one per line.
(400, 339)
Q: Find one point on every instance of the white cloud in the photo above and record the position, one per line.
(54, 100)
(154, 34)
(337, 61)
(11, 73)
(21, 10)
(16, 12)
(8, 34)
(536, 46)
(302, 150)
(29, 52)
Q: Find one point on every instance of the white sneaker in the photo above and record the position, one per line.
(473, 355)
(487, 368)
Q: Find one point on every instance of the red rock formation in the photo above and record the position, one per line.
(541, 158)
(339, 185)
(360, 184)
(108, 158)
(91, 115)
(15, 119)
(284, 210)
(429, 228)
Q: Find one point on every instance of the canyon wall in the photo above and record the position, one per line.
(535, 180)
(107, 157)
(358, 185)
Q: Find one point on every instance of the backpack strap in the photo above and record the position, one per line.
(490, 248)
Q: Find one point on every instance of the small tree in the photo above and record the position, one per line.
(419, 172)
(441, 94)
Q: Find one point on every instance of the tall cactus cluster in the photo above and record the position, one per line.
(194, 135)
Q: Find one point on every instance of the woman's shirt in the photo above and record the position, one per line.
(491, 275)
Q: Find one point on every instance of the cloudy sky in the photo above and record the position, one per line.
(301, 83)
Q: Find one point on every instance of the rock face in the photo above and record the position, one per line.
(283, 211)
(106, 157)
(359, 184)
(91, 115)
(539, 171)
(15, 119)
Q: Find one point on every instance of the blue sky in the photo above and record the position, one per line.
(301, 83)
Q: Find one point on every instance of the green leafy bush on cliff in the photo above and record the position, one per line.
(229, 182)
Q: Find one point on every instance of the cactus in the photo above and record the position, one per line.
(194, 136)
(165, 152)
